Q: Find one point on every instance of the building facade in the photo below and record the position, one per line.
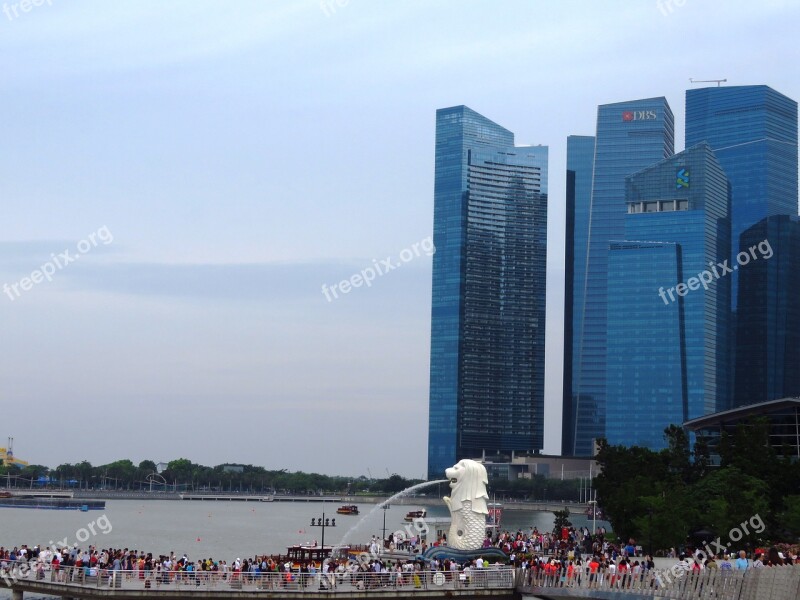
(580, 164)
(668, 309)
(630, 136)
(488, 307)
(753, 132)
(768, 324)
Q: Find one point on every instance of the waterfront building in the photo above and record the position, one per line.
(488, 305)
(668, 303)
(630, 136)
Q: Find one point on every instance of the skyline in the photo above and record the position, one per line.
(242, 158)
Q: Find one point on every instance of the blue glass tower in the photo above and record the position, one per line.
(488, 312)
(752, 130)
(668, 309)
(768, 327)
(580, 163)
(630, 136)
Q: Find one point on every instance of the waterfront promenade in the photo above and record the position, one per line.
(103, 583)
(775, 583)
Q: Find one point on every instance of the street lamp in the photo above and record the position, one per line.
(323, 523)
(385, 507)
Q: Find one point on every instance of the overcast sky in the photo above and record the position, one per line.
(214, 164)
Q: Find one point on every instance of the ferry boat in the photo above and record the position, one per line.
(415, 514)
(347, 509)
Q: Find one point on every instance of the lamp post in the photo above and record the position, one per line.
(323, 523)
(385, 507)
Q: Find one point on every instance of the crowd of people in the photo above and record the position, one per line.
(564, 557)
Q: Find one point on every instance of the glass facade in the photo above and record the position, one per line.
(580, 163)
(768, 327)
(753, 132)
(630, 136)
(488, 312)
(668, 346)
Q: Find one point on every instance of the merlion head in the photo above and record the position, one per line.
(468, 481)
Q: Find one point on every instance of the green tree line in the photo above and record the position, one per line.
(676, 496)
(183, 475)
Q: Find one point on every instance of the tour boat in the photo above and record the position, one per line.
(347, 509)
(415, 514)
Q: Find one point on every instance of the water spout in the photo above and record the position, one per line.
(379, 506)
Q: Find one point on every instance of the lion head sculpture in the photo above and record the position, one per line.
(468, 481)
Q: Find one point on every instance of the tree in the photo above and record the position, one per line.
(561, 521)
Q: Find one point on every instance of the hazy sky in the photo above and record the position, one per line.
(243, 154)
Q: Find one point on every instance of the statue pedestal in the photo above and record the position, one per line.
(492, 554)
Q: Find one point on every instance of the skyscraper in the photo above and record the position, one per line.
(630, 136)
(488, 309)
(668, 309)
(768, 328)
(580, 163)
(752, 130)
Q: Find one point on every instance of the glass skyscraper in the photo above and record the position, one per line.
(630, 136)
(580, 163)
(668, 325)
(752, 129)
(768, 327)
(753, 132)
(488, 309)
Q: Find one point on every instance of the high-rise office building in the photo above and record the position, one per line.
(752, 130)
(768, 327)
(488, 309)
(668, 309)
(630, 136)
(580, 163)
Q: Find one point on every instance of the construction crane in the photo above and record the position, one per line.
(7, 455)
(719, 82)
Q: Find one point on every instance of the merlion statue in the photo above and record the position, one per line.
(467, 504)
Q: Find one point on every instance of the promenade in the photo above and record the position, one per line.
(104, 583)
(768, 583)
(776, 583)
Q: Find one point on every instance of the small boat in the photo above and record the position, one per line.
(415, 514)
(347, 509)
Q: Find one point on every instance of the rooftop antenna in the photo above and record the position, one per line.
(719, 82)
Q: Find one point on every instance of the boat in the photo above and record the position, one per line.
(51, 503)
(412, 515)
(347, 509)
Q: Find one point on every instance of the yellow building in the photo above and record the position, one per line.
(7, 456)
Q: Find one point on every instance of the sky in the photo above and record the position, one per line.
(179, 180)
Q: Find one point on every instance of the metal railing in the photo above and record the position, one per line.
(775, 583)
(283, 581)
